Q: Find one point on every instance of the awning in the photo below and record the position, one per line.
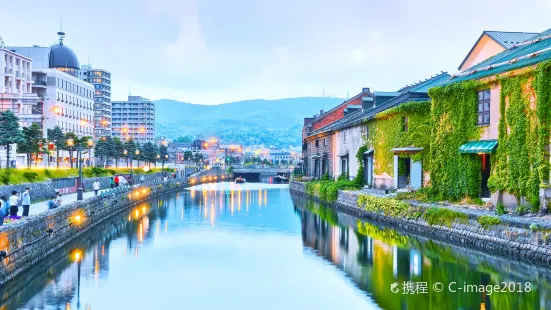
(478, 147)
(369, 152)
(410, 149)
(343, 155)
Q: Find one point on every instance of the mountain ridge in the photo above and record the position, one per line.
(258, 121)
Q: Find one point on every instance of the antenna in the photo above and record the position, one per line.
(61, 34)
(1, 43)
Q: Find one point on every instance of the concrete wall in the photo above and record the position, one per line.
(347, 140)
(27, 241)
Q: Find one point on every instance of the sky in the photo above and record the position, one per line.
(218, 51)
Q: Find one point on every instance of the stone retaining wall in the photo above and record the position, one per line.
(507, 239)
(31, 239)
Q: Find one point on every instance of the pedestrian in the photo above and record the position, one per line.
(26, 201)
(116, 181)
(142, 179)
(14, 203)
(96, 187)
(52, 203)
(112, 182)
(57, 200)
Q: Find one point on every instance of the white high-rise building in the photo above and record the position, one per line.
(101, 79)
(134, 119)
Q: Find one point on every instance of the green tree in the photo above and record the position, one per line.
(149, 153)
(100, 149)
(31, 142)
(188, 155)
(70, 136)
(10, 133)
(130, 148)
(118, 150)
(184, 139)
(198, 157)
(57, 137)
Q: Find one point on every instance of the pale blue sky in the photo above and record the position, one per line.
(215, 51)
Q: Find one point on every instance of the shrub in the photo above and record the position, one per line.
(443, 216)
(328, 190)
(500, 208)
(388, 206)
(487, 221)
(5, 176)
(522, 209)
(29, 175)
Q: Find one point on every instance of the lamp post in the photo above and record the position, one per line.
(71, 143)
(131, 173)
(90, 143)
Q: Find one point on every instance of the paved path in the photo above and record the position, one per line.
(42, 206)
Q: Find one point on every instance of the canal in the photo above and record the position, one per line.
(256, 246)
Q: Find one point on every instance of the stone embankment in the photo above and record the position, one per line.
(511, 237)
(29, 240)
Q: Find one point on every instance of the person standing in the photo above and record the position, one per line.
(116, 181)
(112, 182)
(14, 203)
(142, 179)
(26, 201)
(57, 200)
(96, 187)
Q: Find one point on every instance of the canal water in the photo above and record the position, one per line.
(256, 246)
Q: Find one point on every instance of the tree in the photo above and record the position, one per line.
(31, 142)
(10, 133)
(100, 149)
(139, 156)
(130, 148)
(198, 157)
(70, 148)
(188, 156)
(118, 150)
(57, 137)
(149, 153)
(184, 139)
(163, 153)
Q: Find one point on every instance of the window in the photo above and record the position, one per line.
(317, 143)
(324, 141)
(405, 123)
(483, 107)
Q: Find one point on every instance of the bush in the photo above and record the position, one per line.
(329, 190)
(30, 175)
(442, 216)
(487, 221)
(500, 208)
(388, 206)
(5, 176)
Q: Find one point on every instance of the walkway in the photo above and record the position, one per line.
(42, 206)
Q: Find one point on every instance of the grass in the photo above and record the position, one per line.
(34, 175)
(487, 221)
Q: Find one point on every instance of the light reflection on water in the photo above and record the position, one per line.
(248, 246)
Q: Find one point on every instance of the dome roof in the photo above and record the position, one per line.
(62, 56)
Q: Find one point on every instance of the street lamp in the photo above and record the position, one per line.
(71, 143)
(90, 143)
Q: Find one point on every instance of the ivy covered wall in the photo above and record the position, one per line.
(521, 162)
(386, 131)
(453, 118)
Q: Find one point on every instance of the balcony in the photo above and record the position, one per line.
(41, 84)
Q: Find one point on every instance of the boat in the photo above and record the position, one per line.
(281, 179)
(239, 180)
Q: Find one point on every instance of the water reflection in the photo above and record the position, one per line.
(179, 250)
(375, 257)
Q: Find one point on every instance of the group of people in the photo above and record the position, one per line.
(10, 207)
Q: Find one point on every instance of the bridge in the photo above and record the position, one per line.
(258, 174)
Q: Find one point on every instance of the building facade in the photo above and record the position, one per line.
(101, 79)
(68, 102)
(16, 95)
(134, 119)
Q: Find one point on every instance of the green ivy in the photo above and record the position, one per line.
(444, 217)
(328, 191)
(453, 118)
(386, 132)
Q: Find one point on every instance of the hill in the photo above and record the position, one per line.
(268, 122)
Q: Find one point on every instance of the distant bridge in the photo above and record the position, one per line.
(260, 174)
